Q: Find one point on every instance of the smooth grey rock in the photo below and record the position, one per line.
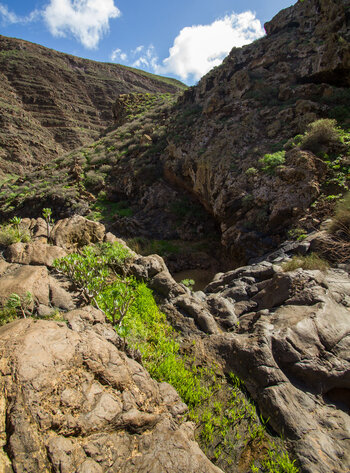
(193, 308)
(223, 310)
(165, 285)
(295, 360)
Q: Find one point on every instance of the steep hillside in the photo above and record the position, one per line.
(258, 358)
(53, 102)
(259, 148)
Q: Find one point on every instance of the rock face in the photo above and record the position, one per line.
(292, 349)
(56, 102)
(71, 233)
(262, 95)
(206, 152)
(73, 402)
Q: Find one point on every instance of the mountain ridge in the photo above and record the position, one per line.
(53, 102)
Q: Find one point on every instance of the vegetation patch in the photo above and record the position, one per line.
(270, 162)
(12, 233)
(105, 210)
(145, 246)
(321, 133)
(311, 261)
(341, 221)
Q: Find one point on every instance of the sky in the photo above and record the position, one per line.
(183, 39)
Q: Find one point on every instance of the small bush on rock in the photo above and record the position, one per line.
(7, 315)
(311, 261)
(10, 234)
(319, 134)
(270, 161)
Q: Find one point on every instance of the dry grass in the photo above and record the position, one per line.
(311, 261)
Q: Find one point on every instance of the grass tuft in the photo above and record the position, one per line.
(309, 262)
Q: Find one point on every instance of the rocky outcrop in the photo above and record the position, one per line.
(49, 292)
(262, 95)
(72, 402)
(36, 253)
(71, 233)
(81, 402)
(291, 347)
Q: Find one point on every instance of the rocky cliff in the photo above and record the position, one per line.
(53, 102)
(260, 356)
(263, 95)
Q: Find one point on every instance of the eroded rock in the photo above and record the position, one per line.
(74, 402)
(71, 233)
(35, 253)
(292, 349)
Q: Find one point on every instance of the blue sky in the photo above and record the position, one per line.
(182, 39)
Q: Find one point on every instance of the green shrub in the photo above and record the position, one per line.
(23, 305)
(311, 261)
(188, 283)
(320, 134)
(293, 142)
(10, 235)
(270, 161)
(251, 171)
(297, 234)
(7, 315)
(94, 180)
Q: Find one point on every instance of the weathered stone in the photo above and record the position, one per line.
(75, 232)
(23, 279)
(223, 311)
(59, 296)
(36, 253)
(164, 284)
(193, 308)
(82, 392)
(147, 266)
(295, 362)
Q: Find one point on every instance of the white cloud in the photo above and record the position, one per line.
(140, 57)
(8, 16)
(86, 20)
(199, 48)
(138, 49)
(148, 60)
(117, 54)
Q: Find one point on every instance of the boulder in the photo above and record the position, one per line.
(35, 253)
(147, 266)
(164, 284)
(75, 232)
(47, 291)
(191, 307)
(22, 279)
(36, 226)
(223, 311)
(71, 401)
